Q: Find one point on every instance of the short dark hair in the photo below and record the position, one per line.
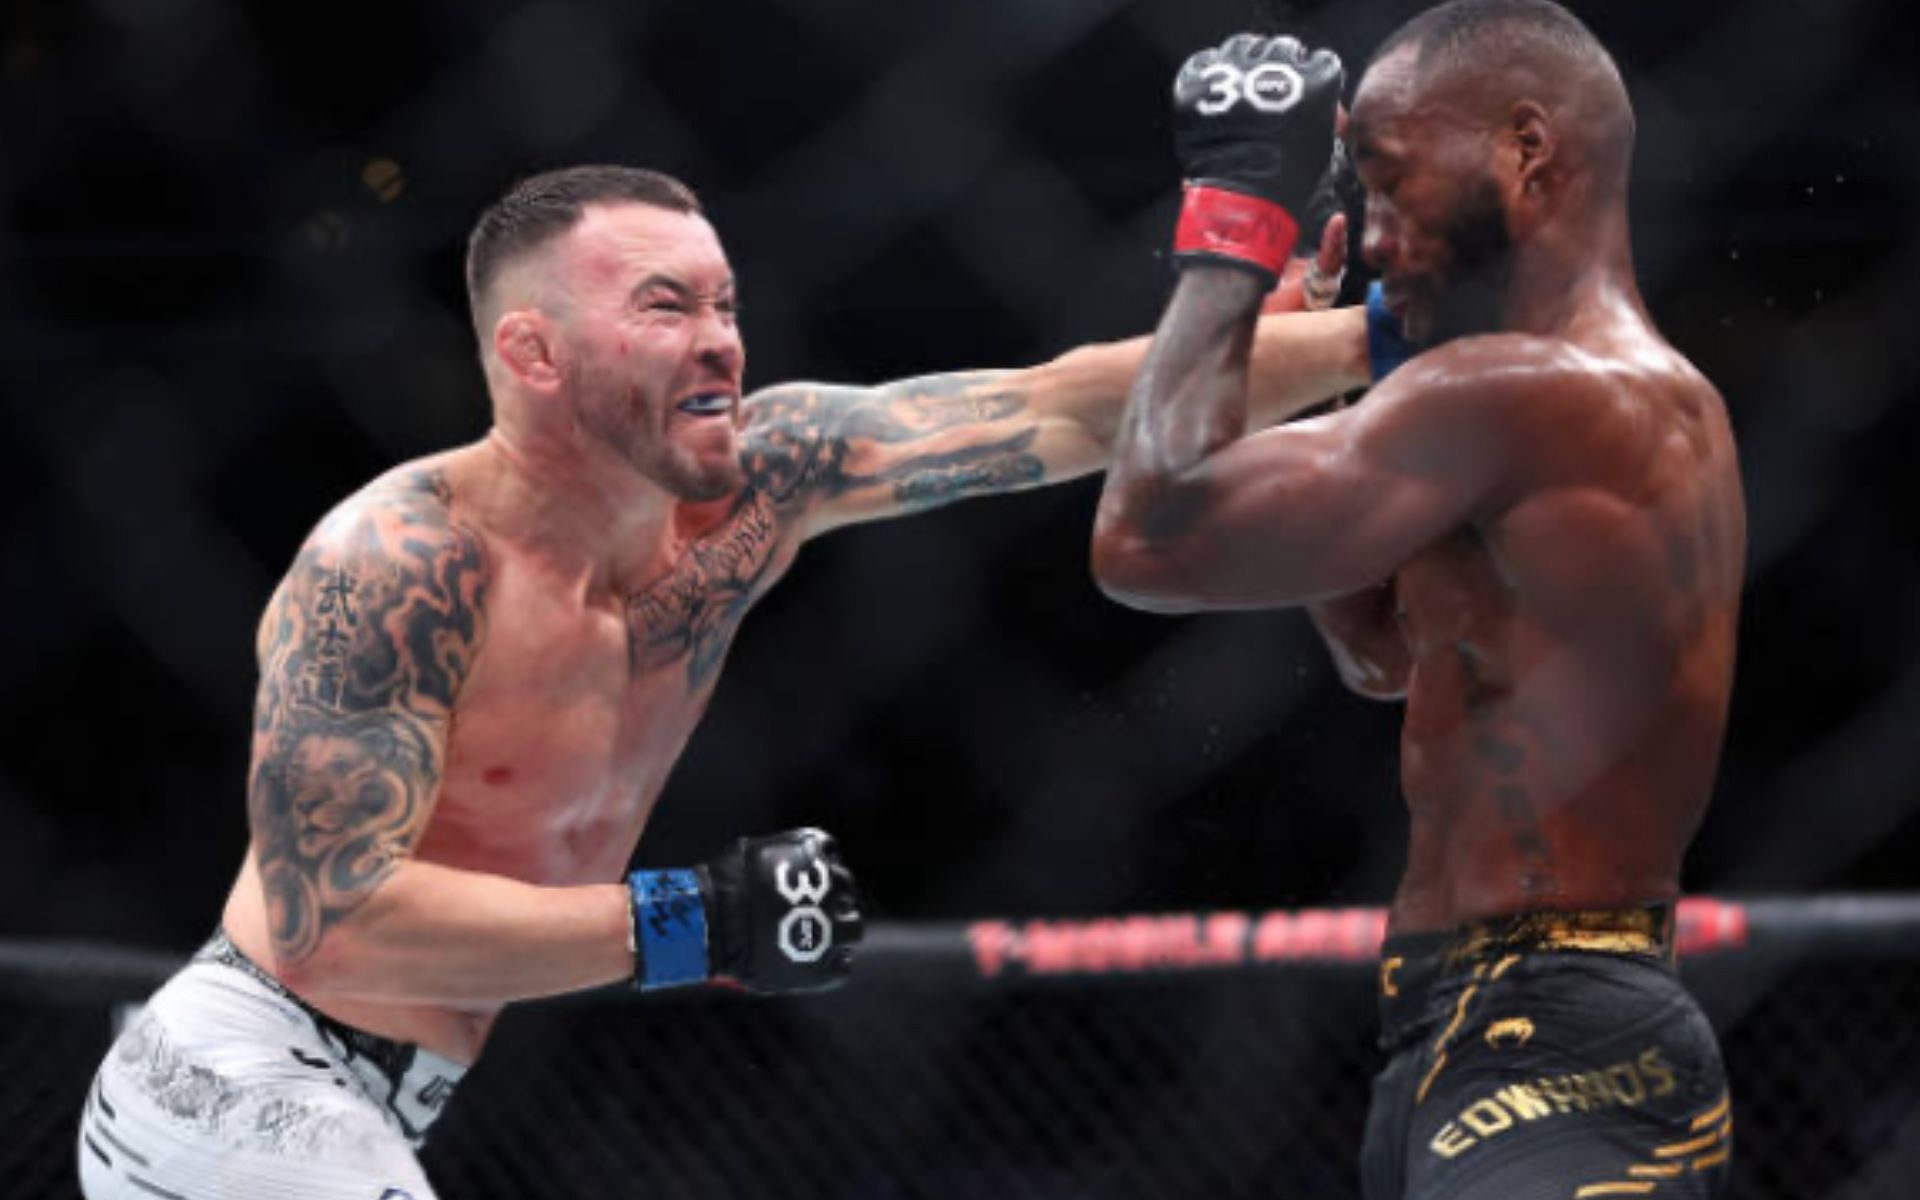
(541, 207)
(1533, 44)
(1483, 33)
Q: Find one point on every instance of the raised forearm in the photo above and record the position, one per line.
(431, 934)
(1298, 361)
(1189, 400)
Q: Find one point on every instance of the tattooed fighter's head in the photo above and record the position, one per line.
(605, 304)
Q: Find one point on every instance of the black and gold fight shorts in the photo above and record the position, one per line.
(1545, 1056)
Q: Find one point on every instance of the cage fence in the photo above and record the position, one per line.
(1164, 1056)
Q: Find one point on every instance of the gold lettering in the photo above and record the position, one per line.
(1626, 1084)
(1486, 1118)
(1451, 1141)
(1560, 1091)
(1525, 1102)
(1593, 1086)
(1658, 1071)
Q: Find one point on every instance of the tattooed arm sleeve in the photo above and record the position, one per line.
(843, 454)
(364, 649)
(830, 455)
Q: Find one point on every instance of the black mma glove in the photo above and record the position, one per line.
(1253, 128)
(773, 914)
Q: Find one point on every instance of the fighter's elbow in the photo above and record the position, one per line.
(1133, 570)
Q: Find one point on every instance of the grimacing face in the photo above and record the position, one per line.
(653, 356)
(1436, 226)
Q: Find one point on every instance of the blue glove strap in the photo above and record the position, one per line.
(669, 928)
(1387, 347)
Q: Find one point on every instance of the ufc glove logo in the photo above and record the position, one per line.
(805, 934)
(1270, 87)
(811, 887)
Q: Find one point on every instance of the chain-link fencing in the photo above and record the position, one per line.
(1106, 1060)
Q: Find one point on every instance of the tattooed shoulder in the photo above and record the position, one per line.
(364, 651)
(788, 441)
(383, 605)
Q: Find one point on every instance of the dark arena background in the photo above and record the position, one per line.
(230, 293)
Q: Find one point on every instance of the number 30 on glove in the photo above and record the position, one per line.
(1253, 124)
(773, 914)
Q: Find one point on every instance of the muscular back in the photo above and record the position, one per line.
(1572, 650)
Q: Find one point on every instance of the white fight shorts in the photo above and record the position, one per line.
(228, 1087)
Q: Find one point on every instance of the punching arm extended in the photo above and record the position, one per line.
(835, 455)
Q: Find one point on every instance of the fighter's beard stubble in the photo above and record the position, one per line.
(644, 436)
(1472, 293)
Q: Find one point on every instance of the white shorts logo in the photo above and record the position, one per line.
(1270, 87)
(805, 934)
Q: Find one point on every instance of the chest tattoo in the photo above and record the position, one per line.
(692, 613)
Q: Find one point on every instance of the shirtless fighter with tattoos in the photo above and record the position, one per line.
(1533, 533)
(481, 668)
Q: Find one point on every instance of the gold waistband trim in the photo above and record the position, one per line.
(1646, 932)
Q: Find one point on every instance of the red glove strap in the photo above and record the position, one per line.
(1215, 221)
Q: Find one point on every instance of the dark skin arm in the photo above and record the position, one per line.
(1196, 515)
(1361, 630)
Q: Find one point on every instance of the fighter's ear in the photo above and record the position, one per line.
(1533, 142)
(523, 340)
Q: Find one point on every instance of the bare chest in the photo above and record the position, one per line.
(579, 706)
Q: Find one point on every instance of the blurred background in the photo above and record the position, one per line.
(230, 293)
